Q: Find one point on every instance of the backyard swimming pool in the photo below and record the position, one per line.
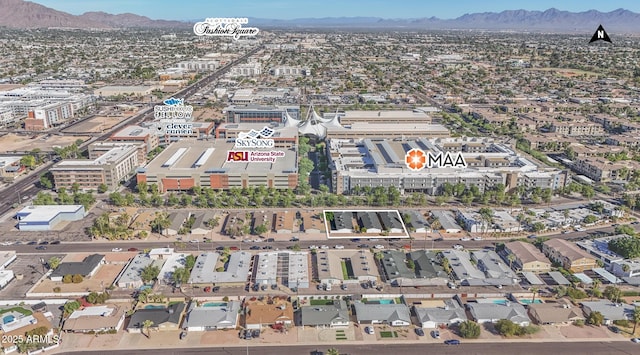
(153, 307)
(528, 301)
(8, 319)
(215, 304)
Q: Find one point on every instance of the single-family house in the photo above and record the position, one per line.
(335, 315)
(558, 313)
(611, 311)
(490, 312)
(167, 318)
(396, 315)
(212, 316)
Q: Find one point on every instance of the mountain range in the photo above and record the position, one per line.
(26, 14)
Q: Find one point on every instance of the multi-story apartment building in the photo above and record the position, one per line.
(578, 129)
(49, 115)
(569, 255)
(247, 69)
(110, 168)
(527, 257)
(601, 169)
(137, 134)
(381, 162)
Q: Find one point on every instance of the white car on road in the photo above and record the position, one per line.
(378, 246)
(458, 247)
(324, 247)
(477, 238)
(339, 246)
(116, 250)
(313, 247)
(465, 239)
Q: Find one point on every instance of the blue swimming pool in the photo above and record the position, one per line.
(528, 301)
(502, 302)
(215, 304)
(150, 306)
(386, 301)
(8, 319)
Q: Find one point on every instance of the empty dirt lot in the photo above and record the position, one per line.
(95, 125)
(13, 142)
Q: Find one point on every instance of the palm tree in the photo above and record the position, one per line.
(534, 290)
(595, 286)
(511, 259)
(636, 319)
(147, 324)
(333, 351)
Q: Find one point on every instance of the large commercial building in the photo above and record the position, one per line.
(46, 217)
(351, 117)
(283, 136)
(381, 162)
(219, 165)
(110, 169)
(361, 130)
(259, 113)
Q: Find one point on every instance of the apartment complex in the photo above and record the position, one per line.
(136, 134)
(526, 257)
(569, 255)
(388, 117)
(217, 164)
(381, 162)
(110, 168)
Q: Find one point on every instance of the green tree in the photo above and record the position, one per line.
(260, 229)
(77, 278)
(146, 325)
(53, 262)
(180, 276)
(469, 329)
(595, 318)
(28, 161)
(160, 222)
(613, 293)
(333, 351)
(506, 327)
(46, 180)
(149, 273)
(189, 262)
(102, 188)
(70, 307)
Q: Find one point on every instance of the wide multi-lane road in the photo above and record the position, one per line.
(500, 347)
(418, 243)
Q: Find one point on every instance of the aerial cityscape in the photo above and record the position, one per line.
(265, 179)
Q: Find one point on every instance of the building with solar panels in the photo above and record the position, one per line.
(377, 162)
(219, 164)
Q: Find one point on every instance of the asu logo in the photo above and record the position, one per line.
(237, 156)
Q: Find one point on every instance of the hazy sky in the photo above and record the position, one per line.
(288, 9)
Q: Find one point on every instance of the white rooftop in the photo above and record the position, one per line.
(45, 212)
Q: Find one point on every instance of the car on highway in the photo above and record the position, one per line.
(55, 242)
(378, 246)
(116, 250)
(254, 247)
(438, 239)
(32, 243)
(294, 239)
(477, 239)
(419, 332)
(452, 342)
(132, 249)
(458, 247)
(363, 246)
(6, 243)
(339, 246)
(44, 243)
(41, 247)
(636, 340)
(324, 247)
(369, 330)
(435, 334)
(465, 239)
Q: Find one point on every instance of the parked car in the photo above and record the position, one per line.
(452, 342)
(378, 246)
(365, 285)
(255, 333)
(343, 287)
(465, 239)
(636, 340)
(477, 238)
(270, 240)
(32, 243)
(438, 239)
(369, 330)
(420, 332)
(614, 329)
(339, 246)
(267, 247)
(44, 243)
(115, 250)
(132, 249)
(435, 334)
(41, 247)
(324, 247)
(234, 248)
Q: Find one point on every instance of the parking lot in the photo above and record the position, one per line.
(30, 267)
